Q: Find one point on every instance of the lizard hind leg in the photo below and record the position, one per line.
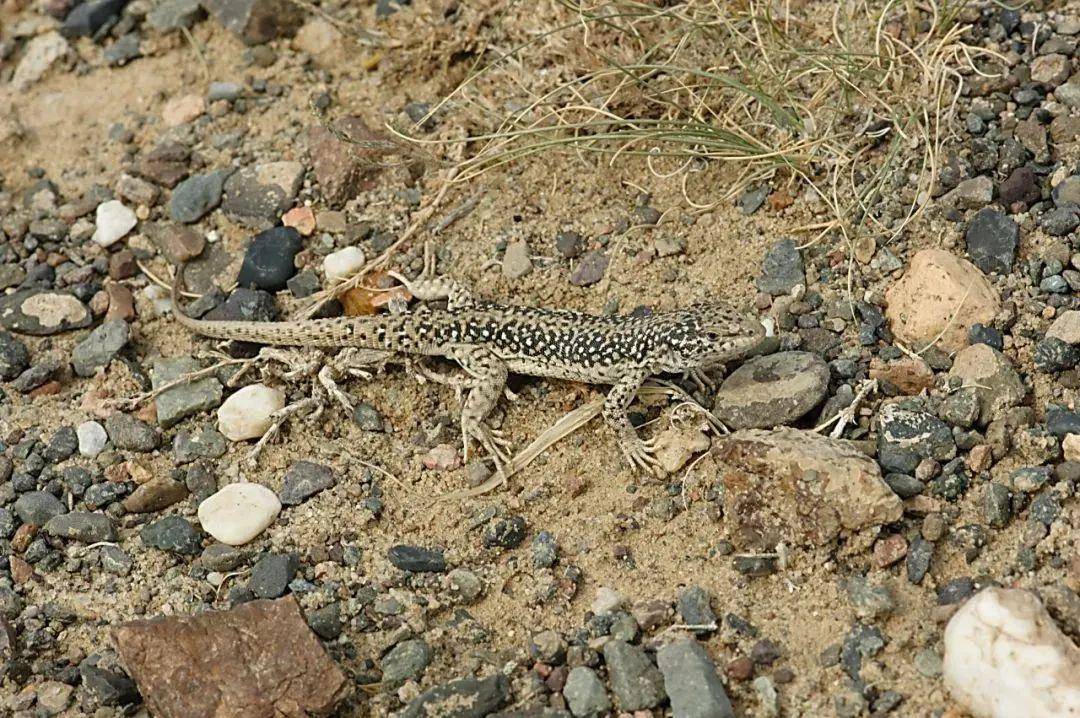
(487, 380)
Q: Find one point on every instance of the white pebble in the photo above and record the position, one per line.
(92, 438)
(607, 600)
(1004, 657)
(239, 513)
(114, 220)
(247, 413)
(343, 263)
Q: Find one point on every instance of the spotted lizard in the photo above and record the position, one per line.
(490, 340)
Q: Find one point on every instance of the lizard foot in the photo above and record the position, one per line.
(492, 441)
(641, 455)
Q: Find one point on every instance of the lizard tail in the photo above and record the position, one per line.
(334, 332)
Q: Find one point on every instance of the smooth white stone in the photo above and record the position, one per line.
(92, 438)
(238, 513)
(1005, 658)
(113, 220)
(343, 263)
(247, 413)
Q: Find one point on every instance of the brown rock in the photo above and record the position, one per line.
(343, 168)
(155, 495)
(166, 164)
(1032, 134)
(21, 571)
(1066, 327)
(256, 21)
(122, 264)
(740, 669)
(136, 191)
(121, 304)
(1065, 129)
(259, 659)
(980, 458)
(940, 295)
(986, 371)
(23, 536)
(890, 550)
(302, 219)
(908, 375)
(789, 484)
(1052, 69)
(178, 242)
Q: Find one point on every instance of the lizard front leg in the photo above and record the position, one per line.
(428, 287)
(639, 453)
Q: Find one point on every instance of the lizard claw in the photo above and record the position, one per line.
(640, 455)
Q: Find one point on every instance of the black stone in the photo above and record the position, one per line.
(174, 534)
(87, 18)
(268, 261)
(1052, 355)
(505, 533)
(247, 305)
(271, 574)
(918, 559)
(955, 591)
(1061, 421)
(982, 334)
(303, 480)
(992, 238)
(416, 559)
(14, 357)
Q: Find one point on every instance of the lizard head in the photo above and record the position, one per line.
(705, 336)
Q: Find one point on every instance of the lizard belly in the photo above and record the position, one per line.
(554, 369)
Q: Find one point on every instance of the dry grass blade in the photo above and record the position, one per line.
(851, 98)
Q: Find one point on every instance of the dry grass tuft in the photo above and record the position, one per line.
(844, 97)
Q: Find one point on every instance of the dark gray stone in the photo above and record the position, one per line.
(635, 681)
(416, 559)
(585, 694)
(174, 534)
(184, 400)
(782, 269)
(14, 357)
(196, 197)
(463, 698)
(693, 606)
(906, 437)
(691, 681)
(81, 526)
(100, 347)
(590, 269)
(771, 390)
(303, 480)
(37, 507)
(507, 533)
(405, 661)
(41, 312)
(271, 574)
(992, 238)
(62, 446)
(86, 19)
(131, 434)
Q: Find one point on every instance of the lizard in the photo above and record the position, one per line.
(489, 340)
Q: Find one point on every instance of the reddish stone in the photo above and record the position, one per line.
(259, 659)
(740, 669)
(49, 388)
(21, 571)
(980, 458)
(302, 219)
(341, 167)
(890, 550)
(23, 536)
(122, 264)
(180, 243)
(121, 304)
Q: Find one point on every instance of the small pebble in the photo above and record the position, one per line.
(239, 512)
(248, 414)
(342, 264)
(113, 222)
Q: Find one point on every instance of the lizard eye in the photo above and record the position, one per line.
(712, 336)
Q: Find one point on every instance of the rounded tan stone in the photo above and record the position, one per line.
(939, 298)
